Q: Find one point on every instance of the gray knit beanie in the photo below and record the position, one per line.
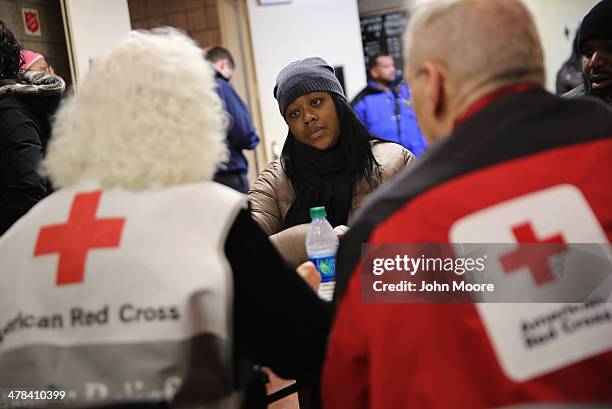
(302, 77)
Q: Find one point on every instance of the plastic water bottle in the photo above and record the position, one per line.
(321, 246)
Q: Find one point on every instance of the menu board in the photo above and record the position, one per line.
(383, 33)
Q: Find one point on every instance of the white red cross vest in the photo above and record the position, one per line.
(121, 295)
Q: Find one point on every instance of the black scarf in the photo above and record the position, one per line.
(322, 179)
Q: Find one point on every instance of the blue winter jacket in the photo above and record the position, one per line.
(240, 132)
(378, 110)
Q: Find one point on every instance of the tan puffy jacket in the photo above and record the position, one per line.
(271, 196)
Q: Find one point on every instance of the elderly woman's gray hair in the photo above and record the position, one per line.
(146, 115)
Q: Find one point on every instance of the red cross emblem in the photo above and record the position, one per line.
(532, 256)
(74, 239)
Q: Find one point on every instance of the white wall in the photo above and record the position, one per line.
(284, 33)
(552, 16)
(94, 27)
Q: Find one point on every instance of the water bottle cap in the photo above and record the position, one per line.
(317, 212)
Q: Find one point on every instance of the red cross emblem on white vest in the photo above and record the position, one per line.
(74, 239)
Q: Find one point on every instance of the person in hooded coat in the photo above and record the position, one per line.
(27, 101)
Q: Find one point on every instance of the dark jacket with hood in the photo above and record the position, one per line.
(26, 106)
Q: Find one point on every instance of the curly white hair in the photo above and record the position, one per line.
(147, 115)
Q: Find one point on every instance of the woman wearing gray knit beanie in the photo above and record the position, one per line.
(329, 159)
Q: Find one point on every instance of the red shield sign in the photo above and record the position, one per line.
(31, 21)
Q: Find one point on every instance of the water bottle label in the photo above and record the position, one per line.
(326, 266)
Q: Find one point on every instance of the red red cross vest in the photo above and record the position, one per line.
(116, 295)
(529, 167)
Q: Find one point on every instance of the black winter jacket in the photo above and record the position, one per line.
(26, 107)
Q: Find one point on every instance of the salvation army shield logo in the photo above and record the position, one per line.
(31, 21)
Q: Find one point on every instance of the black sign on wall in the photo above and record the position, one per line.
(383, 33)
(339, 73)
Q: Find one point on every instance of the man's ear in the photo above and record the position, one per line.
(436, 79)
(218, 65)
(223, 64)
(372, 74)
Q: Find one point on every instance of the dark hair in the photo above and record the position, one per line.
(373, 62)
(11, 58)
(354, 141)
(218, 53)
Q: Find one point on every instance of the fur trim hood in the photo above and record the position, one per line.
(33, 83)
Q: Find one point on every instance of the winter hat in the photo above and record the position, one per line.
(302, 77)
(597, 24)
(30, 58)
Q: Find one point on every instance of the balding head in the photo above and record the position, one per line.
(475, 46)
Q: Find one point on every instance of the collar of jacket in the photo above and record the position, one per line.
(219, 75)
(579, 91)
(33, 83)
(374, 87)
(492, 96)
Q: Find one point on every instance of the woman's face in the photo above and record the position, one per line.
(313, 120)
